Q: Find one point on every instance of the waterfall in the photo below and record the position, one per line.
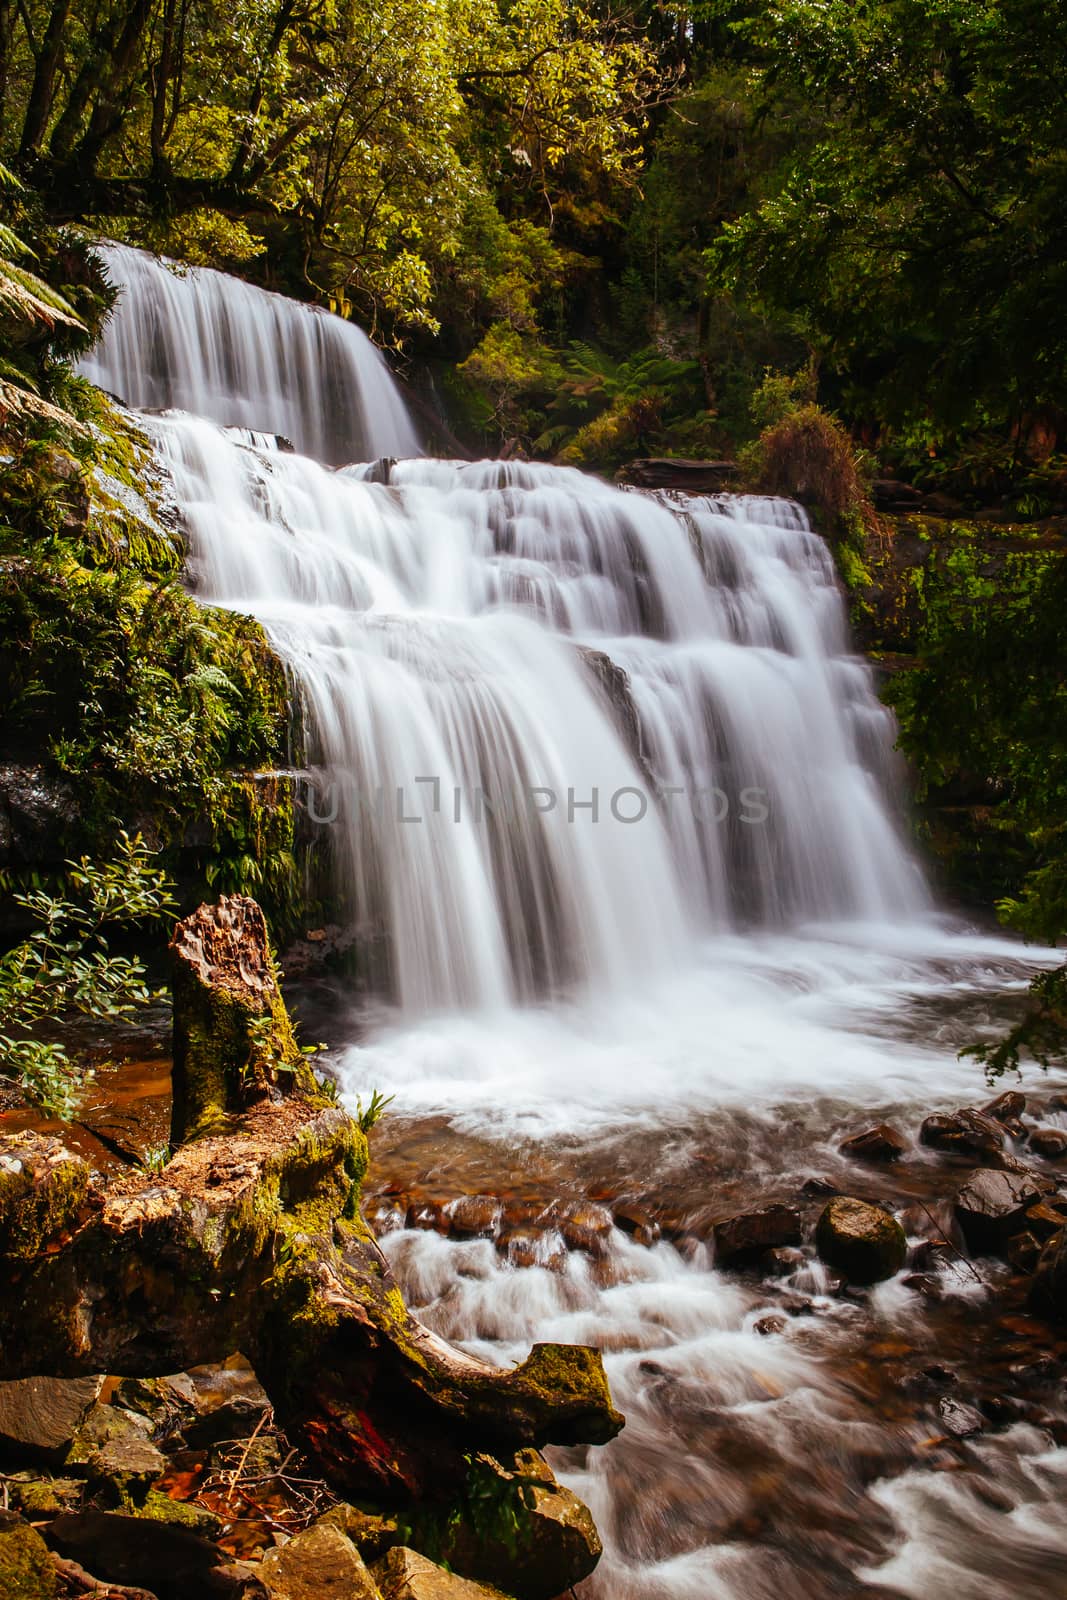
(203, 342)
(562, 729)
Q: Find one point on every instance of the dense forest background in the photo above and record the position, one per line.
(825, 240)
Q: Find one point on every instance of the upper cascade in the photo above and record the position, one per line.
(198, 340)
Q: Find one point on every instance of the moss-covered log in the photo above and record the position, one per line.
(251, 1239)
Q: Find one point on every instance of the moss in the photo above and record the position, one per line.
(40, 1196)
(26, 1570)
(158, 1507)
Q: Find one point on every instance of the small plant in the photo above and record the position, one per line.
(65, 968)
(155, 1158)
(367, 1117)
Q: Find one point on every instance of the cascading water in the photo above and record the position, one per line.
(736, 946)
(206, 343)
(490, 818)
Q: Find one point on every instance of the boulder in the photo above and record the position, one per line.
(1007, 1107)
(1051, 1143)
(321, 1563)
(864, 1242)
(26, 1570)
(875, 1145)
(371, 1534)
(992, 1205)
(584, 1224)
(751, 1232)
(961, 1421)
(963, 1133)
(405, 1575)
(638, 1223)
(40, 1416)
(39, 1498)
(515, 1526)
(533, 1247)
(679, 472)
(125, 1468)
(103, 1425)
(171, 1563)
(474, 1216)
(42, 1188)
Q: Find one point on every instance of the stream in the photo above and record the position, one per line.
(617, 815)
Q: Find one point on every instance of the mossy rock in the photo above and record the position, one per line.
(864, 1242)
(26, 1570)
(42, 1187)
(159, 1507)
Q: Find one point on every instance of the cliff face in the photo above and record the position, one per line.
(960, 618)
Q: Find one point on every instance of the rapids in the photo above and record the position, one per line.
(614, 809)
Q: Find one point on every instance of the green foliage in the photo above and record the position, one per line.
(65, 966)
(367, 1116)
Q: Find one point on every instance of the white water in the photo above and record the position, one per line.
(603, 996)
(207, 343)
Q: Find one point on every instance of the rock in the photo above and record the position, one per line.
(1046, 1217)
(1048, 1291)
(961, 1421)
(1051, 1143)
(321, 1563)
(1007, 1107)
(39, 1498)
(783, 1262)
(749, 1233)
(583, 1224)
(677, 472)
(170, 1562)
(876, 1145)
(405, 1575)
(428, 1216)
(963, 1133)
(533, 1247)
(889, 494)
(26, 1570)
(639, 1224)
(474, 1216)
(40, 1416)
(372, 1535)
(42, 1187)
(816, 1188)
(513, 1526)
(180, 1514)
(769, 1325)
(125, 1467)
(102, 1425)
(1022, 1251)
(992, 1206)
(864, 1242)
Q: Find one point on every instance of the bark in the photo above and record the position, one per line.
(252, 1240)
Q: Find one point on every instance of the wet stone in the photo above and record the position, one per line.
(473, 1216)
(992, 1205)
(766, 1326)
(964, 1132)
(585, 1225)
(1007, 1107)
(817, 1188)
(864, 1242)
(743, 1237)
(1022, 1252)
(1049, 1143)
(533, 1247)
(428, 1216)
(959, 1420)
(877, 1146)
(783, 1261)
(639, 1224)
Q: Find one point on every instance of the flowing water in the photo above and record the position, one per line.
(612, 804)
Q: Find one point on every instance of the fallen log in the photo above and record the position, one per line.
(251, 1240)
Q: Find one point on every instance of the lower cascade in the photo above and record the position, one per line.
(558, 730)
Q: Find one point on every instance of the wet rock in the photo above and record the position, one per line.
(783, 1262)
(321, 1563)
(1022, 1252)
(992, 1206)
(766, 1326)
(405, 1575)
(747, 1235)
(26, 1570)
(875, 1145)
(1051, 1143)
(816, 1188)
(169, 1562)
(428, 1216)
(1007, 1107)
(963, 1133)
(584, 1224)
(639, 1224)
(864, 1242)
(925, 1284)
(533, 1247)
(40, 1416)
(961, 1421)
(1048, 1292)
(513, 1526)
(675, 472)
(473, 1216)
(1046, 1217)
